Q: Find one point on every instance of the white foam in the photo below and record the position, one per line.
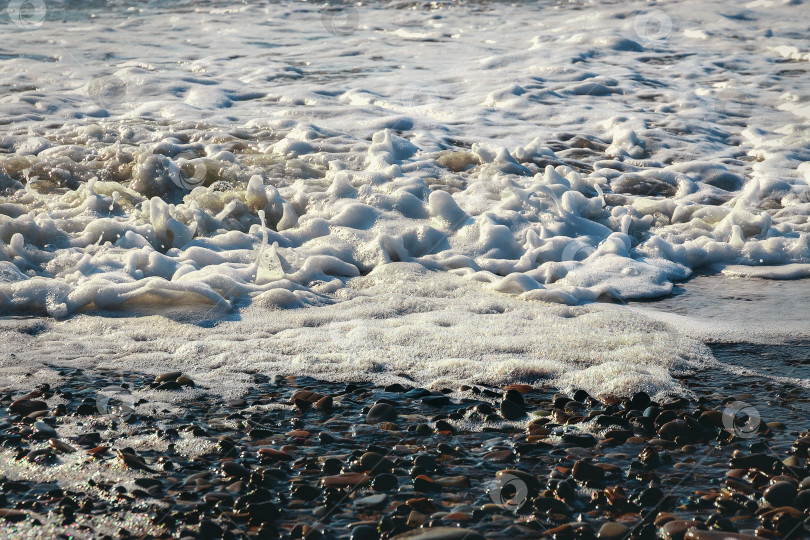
(529, 154)
(401, 323)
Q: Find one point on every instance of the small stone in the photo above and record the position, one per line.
(581, 396)
(439, 533)
(271, 454)
(529, 480)
(416, 393)
(662, 518)
(416, 519)
(210, 530)
(640, 401)
(87, 409)
(27, 406)
(255, 433)
(12, 515)
(98, 450)
(674, 429)
(650, 496)
(436, 401)
(780, 494)
(170, 376)
(324, 404)
(302, 404)
(522, 388)
(60, 445)
(511, 410)
(169, 385)
(676, 529)
(346, 480)
(134, 462)
(516, 397)
(306, 395)
(425, 484)
(364, 532)
(40, 455)
(229, 468)
(384, 482)
(612, 531)
(305, 492)
(584, 440)
(381, 412)
(454, 482)
(264, 511)
(587, 472)
(650, 457)
(500, 456)
(372, 501)
(372, 461)
(44, 431)
(711, 419)
(695, 534)
(185, 381)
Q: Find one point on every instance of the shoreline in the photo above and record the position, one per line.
(301, 458)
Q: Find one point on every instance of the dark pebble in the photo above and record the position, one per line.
(511, 410)
(674, 429)
(229, 468)
(515, 396)
(436, 401)
(384, 482)
(587, 472)
(584, 440)
(780, 494)
(27, 406)
(640, 401)
(381, 412)
(210, 530)
(364, 532)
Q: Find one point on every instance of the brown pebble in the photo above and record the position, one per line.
(134, 462)
(676, 529)
(324, 404)
(416, 519)
(522, 388)
(346, 480)
(12, 515)
(499, 456)
(306, 395)
(170, 376)
(612, 531)
(232, 469)
(271, 454)
(27, 406)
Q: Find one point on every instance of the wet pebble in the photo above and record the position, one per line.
(780, 494)
(44, 431)
(381, 412)
(27, 406)
(511, 410)
(612, 531)
(440, 533)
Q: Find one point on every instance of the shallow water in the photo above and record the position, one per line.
(398, 160)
